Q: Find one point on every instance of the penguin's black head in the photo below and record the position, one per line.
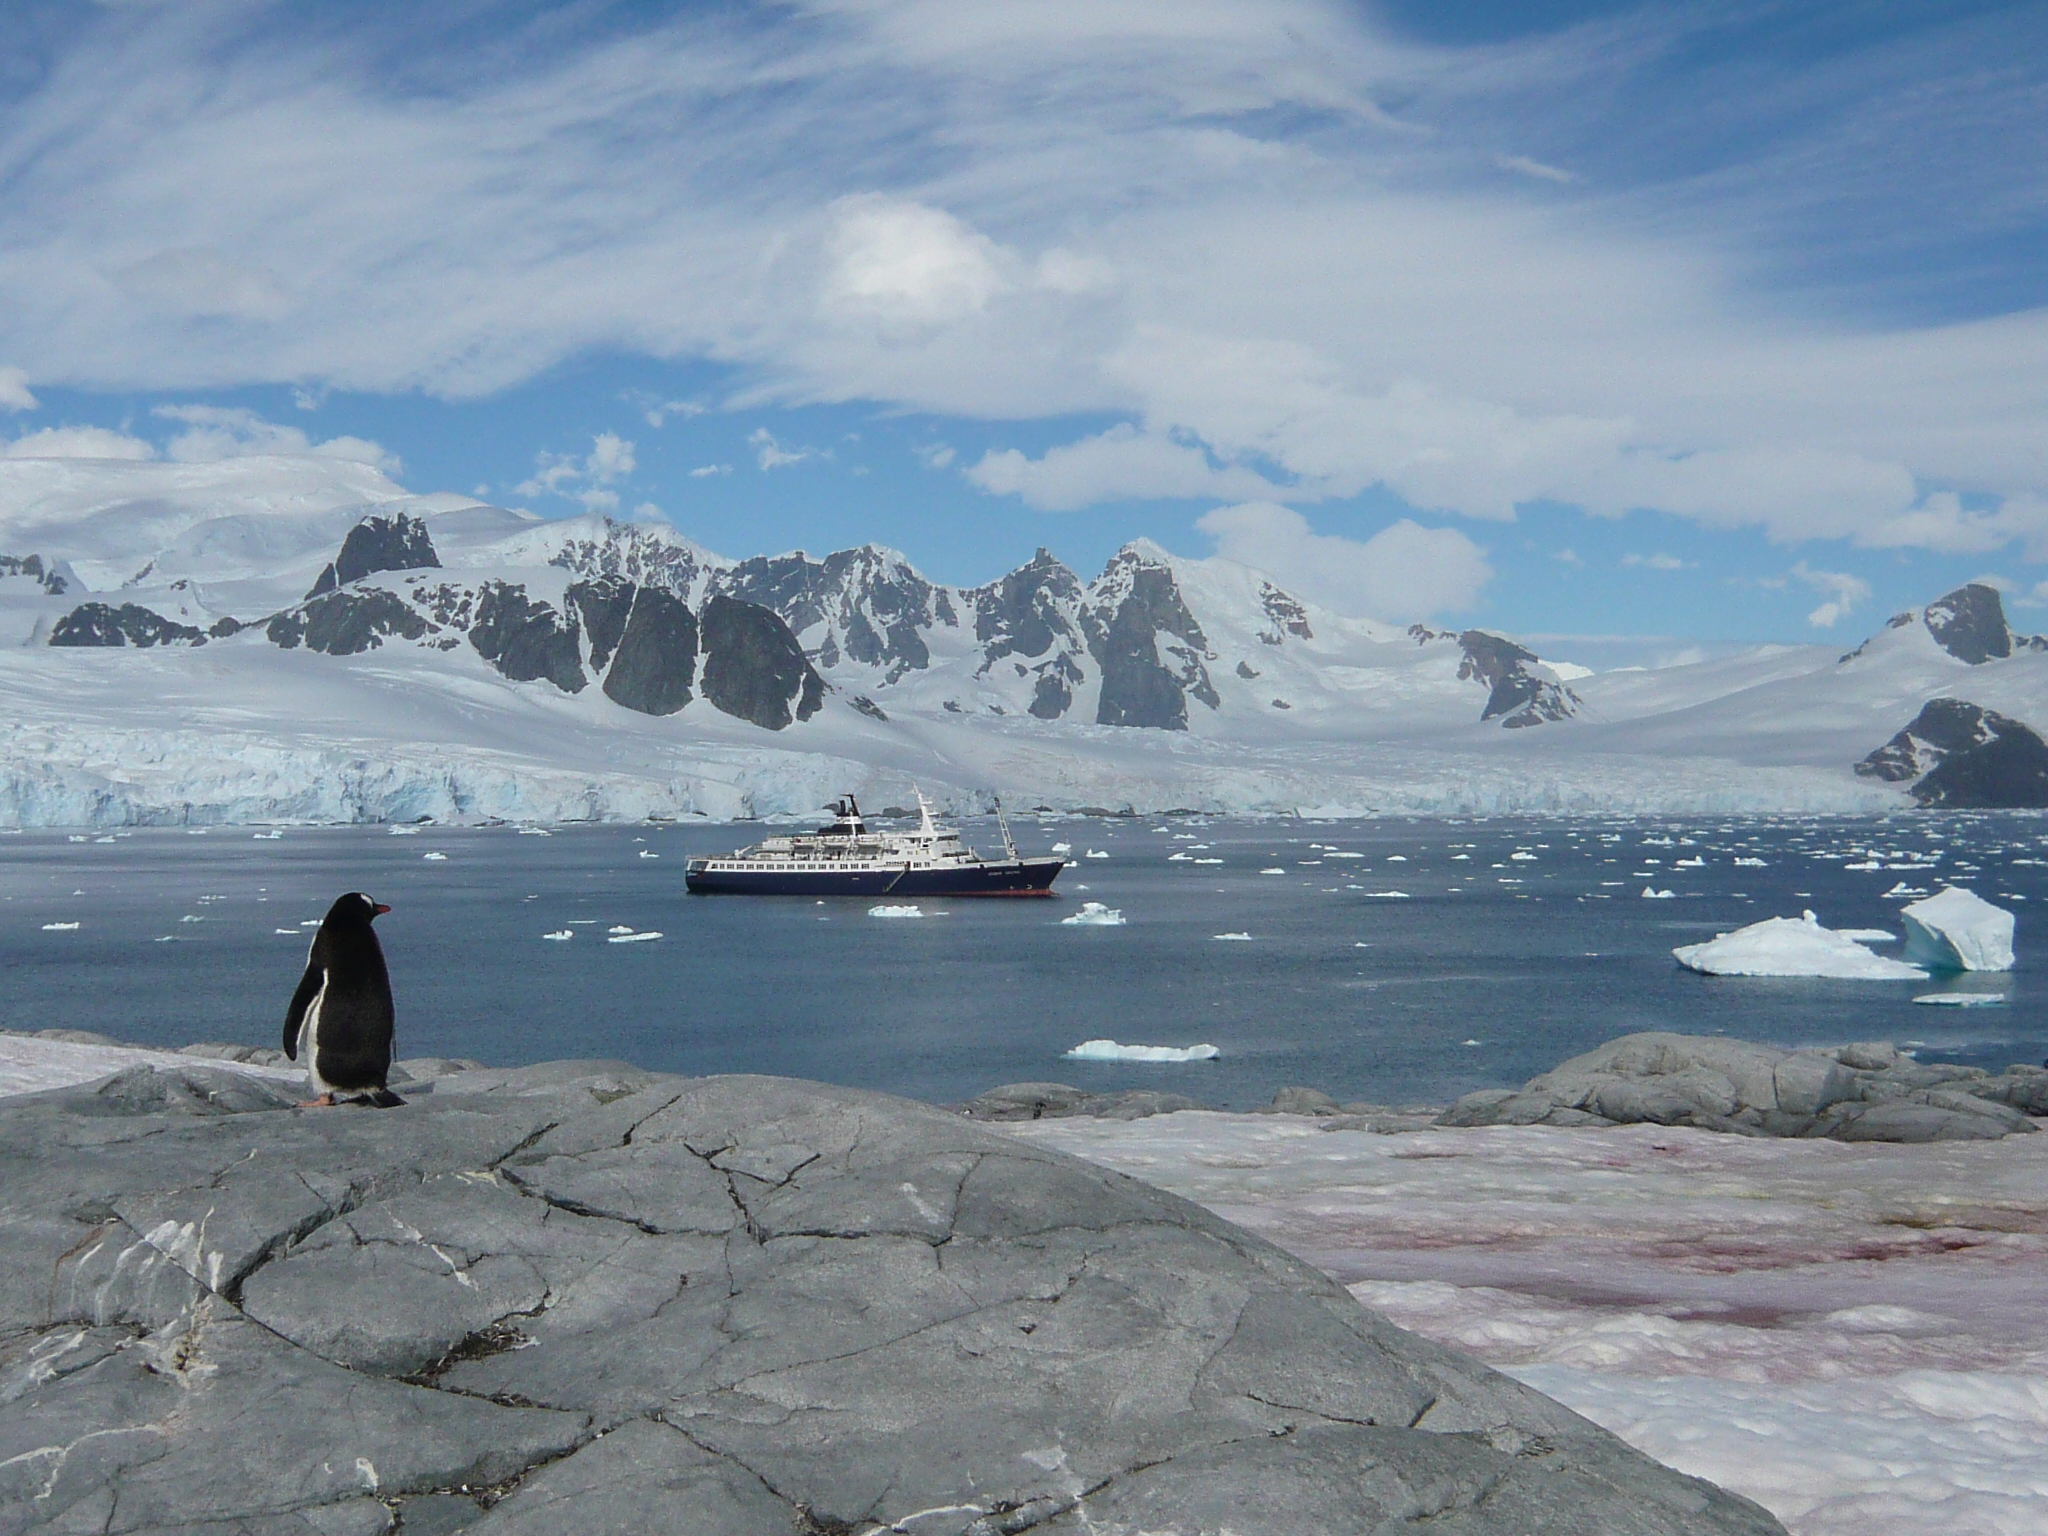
(355, 907)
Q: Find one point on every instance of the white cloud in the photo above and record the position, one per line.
(587, 480)
(659, 412)
(1033, 211)
(704, 471)
(1657, 562)
(934, 455)
(770, 454)
(1404, 571)
(1842, 591)
(222, 432)
(76, 443)
(1122, 462)
(1568, 557)
(14, 391)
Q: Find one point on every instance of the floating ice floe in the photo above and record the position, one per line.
(649, 853)
(535, 832)
(1239, 938)
(1094, 914)
(435, 858)
(1962, 999)
(1869, 935)
(1752, 864)
(1274, 871)
(60, 927)
(1097, 853)
(1208, 861)
(1062, 847)
(1109, 1050)
(560, 934)
(266, 837)
(405, 831)
(1958, 931)
(1901, 891)
(1389, 895)
(619, 928)
(634, 938)
(888, 911)
(290, 933)
(1792, 946)
(1178, 858)
(1651, 893)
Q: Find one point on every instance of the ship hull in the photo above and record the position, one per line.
(1018, 877)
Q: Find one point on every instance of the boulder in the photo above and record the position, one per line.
(583, 1297)
(1301, 1101)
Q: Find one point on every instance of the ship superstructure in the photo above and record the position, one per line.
(849, 858)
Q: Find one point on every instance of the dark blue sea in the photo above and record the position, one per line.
(1512, 944)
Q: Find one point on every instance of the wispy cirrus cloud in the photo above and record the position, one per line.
(1571, 267)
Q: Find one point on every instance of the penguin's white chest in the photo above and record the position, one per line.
(309, 1037)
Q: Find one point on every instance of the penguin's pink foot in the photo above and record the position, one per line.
(325, 1101)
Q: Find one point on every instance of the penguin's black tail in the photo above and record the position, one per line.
(382, 1098)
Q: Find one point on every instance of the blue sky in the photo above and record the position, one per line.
(1725, 321)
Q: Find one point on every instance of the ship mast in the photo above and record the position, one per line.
(1009, 844)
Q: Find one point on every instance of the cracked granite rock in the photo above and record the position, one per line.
(583, 1297)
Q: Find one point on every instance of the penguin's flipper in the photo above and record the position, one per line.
(295, 1015)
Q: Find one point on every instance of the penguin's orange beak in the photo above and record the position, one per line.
(379, 909)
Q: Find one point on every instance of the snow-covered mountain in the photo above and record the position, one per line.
(188, 642)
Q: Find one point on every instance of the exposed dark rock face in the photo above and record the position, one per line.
(580, 1297)
(873, 606)
(603, 606)
(1864, 1092)
(657, 655)
(379, 544)
(1965, 757)
(1513, 691)
(868, 707)
(1247, 671)
(33, 568)
(224, 626)
(1287, 614)
(753, 666)
(130, 624)
(1027, 612)
(347, 623)
(1136, 626)
(1053, 695)
(643, 554)
(527, 640)
(1969, 623)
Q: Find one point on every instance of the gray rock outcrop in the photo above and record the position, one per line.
(580, 1297)
(102, 624)
(1969, 623)
(1864, 1092)
(1515, 696)
(1964, 756)
(1151, 652)
(347, 623)
(375, 544)
(753, 666)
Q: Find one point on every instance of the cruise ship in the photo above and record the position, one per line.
(847, 858)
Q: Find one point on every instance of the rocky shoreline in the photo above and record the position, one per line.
(582, 1296)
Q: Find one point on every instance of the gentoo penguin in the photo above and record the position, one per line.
(342, 1012)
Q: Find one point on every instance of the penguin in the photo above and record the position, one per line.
(342, 1011)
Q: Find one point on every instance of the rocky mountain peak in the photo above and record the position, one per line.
(1516, 695)
(868, 605)
(1152, 652)
(1969, 623)
(1957, 755)
(399, 543)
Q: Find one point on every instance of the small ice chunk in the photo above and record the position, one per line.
(634, 938)
(1792, 946)
(1869, 935)
(1902, 891)
(535, 832)
(1109, 1050)
(1389, 895)
(435, 858)
(560, 934)
(1958, 931)
(1097, 853)
(1240, 938)
(889, 911)
(1208, 861)
(1062, 847)
(649, 853)
(1094, 914)
(1962, 999)
(405, 831)
(266, 837)
(1274, 871)
(60, 927)
(1651, 893)
(619, 928)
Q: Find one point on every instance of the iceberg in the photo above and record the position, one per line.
(889, 911)
(1958, 931)
(1109, 1050)
(558, 935)
(1094, 914)
(1792, 946)
(1651, 893)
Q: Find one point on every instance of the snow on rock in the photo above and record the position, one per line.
(1109, 1050)
(1788, 946)
(1850, 1335)
(29, 1064)
(1958, 930)
(1094, 914)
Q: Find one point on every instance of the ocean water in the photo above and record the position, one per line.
(1395, 961)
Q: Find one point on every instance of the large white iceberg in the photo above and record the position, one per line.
(1958, 931)
(1792, 946)
(1094, 914)
(1109, 1050)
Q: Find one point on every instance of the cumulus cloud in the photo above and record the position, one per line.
(1842, 591)
(1027, 212)
(77, 443)
(705, 471)
(589, 479)
(1657, 562)
(14, 391)
(1403, 572)
(225, 432)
